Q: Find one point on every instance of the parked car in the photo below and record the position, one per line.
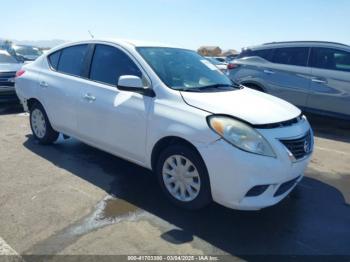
(220, 59)
(220, 65)
(230, 58)
(168, 109)
(8, 68)
(312, 75)
(25, 53)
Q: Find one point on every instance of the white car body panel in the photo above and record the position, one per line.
(129, 125)
(113, 110)
(245, 104)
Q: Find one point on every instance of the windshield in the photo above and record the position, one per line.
(184, 70)
(27, 51)
(7, 59)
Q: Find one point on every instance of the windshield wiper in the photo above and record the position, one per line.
(218, 86)
(211, 87)
(214, 87)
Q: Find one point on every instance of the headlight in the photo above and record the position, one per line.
(240, 135)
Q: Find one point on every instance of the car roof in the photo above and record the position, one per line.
(122, 42)
(127, 43)
(299, 44)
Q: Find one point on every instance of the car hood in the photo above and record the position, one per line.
(10, 67)
(252, 106)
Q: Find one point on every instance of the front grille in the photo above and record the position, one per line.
(285, 187)
(299, 147)
(5, 79)
(281, 124)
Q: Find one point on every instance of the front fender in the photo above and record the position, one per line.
(189, 124)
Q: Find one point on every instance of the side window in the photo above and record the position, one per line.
(263, 53)
(291, 56)
(328, 58)
(72, 60)
(244, 53)
(109, 63)
(54, 59)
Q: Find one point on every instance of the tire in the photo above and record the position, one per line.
(194, 181)
(40, 125)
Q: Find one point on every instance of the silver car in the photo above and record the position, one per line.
(8, 68)
(312, 75)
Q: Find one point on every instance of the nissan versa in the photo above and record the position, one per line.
(172, 111)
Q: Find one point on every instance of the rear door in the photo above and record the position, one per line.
(330, 85)
(288, 76)
(60, 86)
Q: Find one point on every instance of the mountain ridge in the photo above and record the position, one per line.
(39, 43)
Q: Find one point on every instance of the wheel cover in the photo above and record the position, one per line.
(38, 123)
(181, 178)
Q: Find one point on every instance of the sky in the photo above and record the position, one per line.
(186, 23)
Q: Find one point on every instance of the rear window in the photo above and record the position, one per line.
(72, 60)
(263, 53)
(291, 56)
(244, 53)
(54, 59)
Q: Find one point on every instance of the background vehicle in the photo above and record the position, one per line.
(221, 65)
(312, 75)
(230, 58)
(172, 111)
(25, 53)
(220, 59)
(8, 68)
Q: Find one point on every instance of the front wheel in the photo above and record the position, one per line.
(183, 177)
(40, 125)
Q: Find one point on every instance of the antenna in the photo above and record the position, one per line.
(91, 35)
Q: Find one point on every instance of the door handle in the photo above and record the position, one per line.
(269, 72)
(318, 80)
(89, 97)
(43, 84)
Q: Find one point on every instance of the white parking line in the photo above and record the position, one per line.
(332, 150)
(23, 114)
(6, 250)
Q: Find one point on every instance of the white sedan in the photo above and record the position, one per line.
(170, 110)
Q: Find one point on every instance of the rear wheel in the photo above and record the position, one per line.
(40, 125)
(183, 177)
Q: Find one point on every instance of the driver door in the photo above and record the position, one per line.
(110, 119)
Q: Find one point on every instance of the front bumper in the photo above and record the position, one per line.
(234, 174)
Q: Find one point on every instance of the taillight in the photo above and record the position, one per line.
(232, 66)
(20, 72)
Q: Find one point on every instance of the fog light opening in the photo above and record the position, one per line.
(257, 191)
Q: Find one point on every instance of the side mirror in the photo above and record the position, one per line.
(134, 84)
